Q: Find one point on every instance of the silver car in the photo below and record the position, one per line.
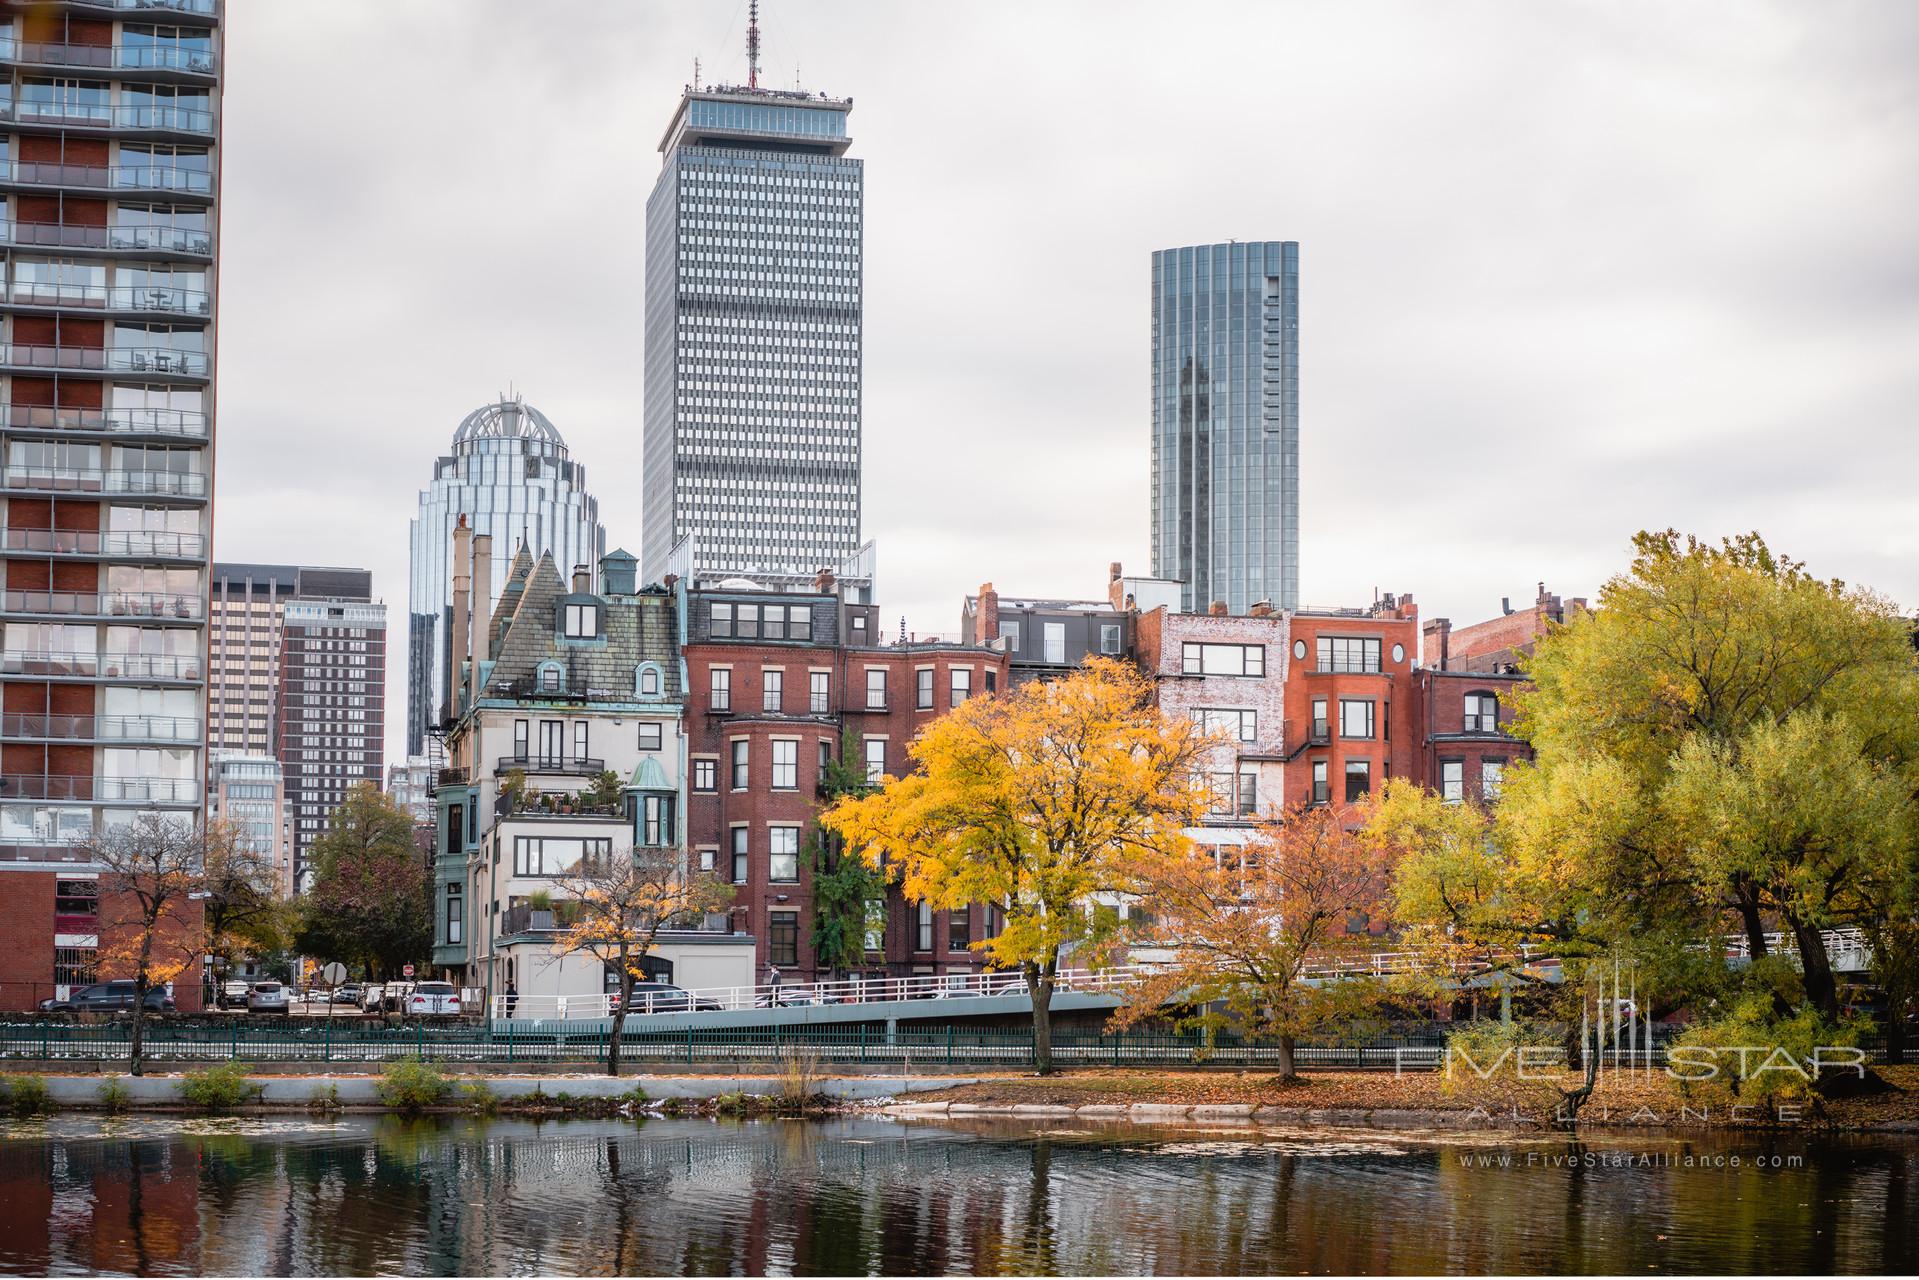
(268, 997)
(434, 1000)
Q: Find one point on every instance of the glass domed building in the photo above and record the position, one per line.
(509, 474)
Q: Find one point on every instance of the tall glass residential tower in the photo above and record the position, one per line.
(751, 460)
(510, 475)
(1226, 423)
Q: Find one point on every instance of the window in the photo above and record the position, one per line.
(1359, 779)
(582, 621)
(783, 855)
(923, 692)
(799, 622)
(649, 735)
(876, 688)
(1492, 774)
(1219, 793)
(549, 678)
(1452, 781)
(75, 966)
(962, 684)
(1482, 713)
(923, 934)
(1343, 653)
(826, 757)
(1240, 725)
(656, 821)
(747, 621)
(78, 897)
(649, 682)
(722, 620)
(1248, 793)
(786, 764)
(709, 856)
(579, 740)
(783, 938)
(959, 928)
(1109, 638)
(875, 759)
(773, 622)
(455, 912)
(1321, 791)
(558, 855)
(1223, 659)
(1321, 730)
(739, 764)
(706, 775)
(875, 924)
(818, 690)
(722, 699)
(992, 680)
(1009, 632)
(772, 685)
(739, 855)
(1054, 634)
(1355, 718)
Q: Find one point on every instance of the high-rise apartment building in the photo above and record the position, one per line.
(1226, 423)
(248, 791)
(751, 456)
(332, 712)
(109, 179)
(508, 476)
(243, 627)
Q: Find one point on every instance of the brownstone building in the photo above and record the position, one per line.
(776, 682)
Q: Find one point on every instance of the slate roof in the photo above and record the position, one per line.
(635, 629)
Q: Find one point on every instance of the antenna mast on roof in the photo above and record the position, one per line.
(696, 73)
(752, 43)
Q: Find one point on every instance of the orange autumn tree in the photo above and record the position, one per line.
(618, 906)
(152, 870)
(1251, 930)
(1039, 800)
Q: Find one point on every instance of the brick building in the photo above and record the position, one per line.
(1498, 643)
(1351, 709)
(1466, 695)
(775, 681)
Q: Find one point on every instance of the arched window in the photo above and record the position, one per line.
(1482, 712)
(552, 677)
(646, 680)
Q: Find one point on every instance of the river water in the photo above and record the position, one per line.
(368, 1195)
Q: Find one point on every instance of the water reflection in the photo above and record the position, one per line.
(364, 1196)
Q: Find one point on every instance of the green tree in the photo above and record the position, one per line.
(843, 887)
(371, 900)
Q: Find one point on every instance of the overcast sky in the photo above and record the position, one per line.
(1567, 270)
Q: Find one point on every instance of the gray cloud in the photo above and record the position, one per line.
(1568, 269)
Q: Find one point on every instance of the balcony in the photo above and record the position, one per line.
(138, 545)
(109, 57)
(160, 179)
(135, 300)
(172, 424)
(141, 117)
(143, 360)
(144, 668)
(159, 606)
(137, 238)
(22, 727)
(161, 484)
(54, 786)
(570, 766)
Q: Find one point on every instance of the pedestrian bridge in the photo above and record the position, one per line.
(985, 995)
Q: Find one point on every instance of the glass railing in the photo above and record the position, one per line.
(188, 423)
(53, 786)
(163, 117)
(204, 8)
(134, 238)
(108, 604)
(112, 666)
(156, 360)
(114, 728)
(165, 299)
(94, 480)
(154, 177)
(138, 543)
(130, 57)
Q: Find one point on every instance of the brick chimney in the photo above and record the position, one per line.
(1438, 646)
(482, 608)
(1261, 609)
(986, 615)
(582, 580)
(459, 642)
(1116, 587)
(1217, 608)
(823, 582)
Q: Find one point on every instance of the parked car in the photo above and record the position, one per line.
(396, 994)
(372, 997)
(268, 997)
(664, 997)
(233, 993)
(108, 997)
(434, 1000)
(347, 993)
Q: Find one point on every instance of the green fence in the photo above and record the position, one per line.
(906, 1048)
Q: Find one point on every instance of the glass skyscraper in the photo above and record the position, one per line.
(510, 476)
(1226, 423)
(753, 337)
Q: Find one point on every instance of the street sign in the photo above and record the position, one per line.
(334, 973)
(406, 970)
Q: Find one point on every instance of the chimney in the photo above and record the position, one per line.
(1261, 609)
(1217, 608)
(482, 608)
(823, 582)
(459, 642)
(1439, 632)
(582, 580)
(986, 616)
(1116, 587)
(1505, 606)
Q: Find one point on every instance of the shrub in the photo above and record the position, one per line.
(634, 1097)
(1776, 1059)
(412, 1085)
(799, 1077)
(476, 1097)
(113, 1094)
(218, 1088)
(29, 1097)
(1499, 1064)
(325, 1097)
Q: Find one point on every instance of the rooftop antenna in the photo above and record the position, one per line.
(752, 43)
(696, 73)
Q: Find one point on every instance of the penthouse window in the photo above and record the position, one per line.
(1482, 713)
(720, 620)
(1348, 653)
(1224, 659)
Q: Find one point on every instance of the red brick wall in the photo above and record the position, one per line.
(1393, 750)
(26, 939)
(1441, 709)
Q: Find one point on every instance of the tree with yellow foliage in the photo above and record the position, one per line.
(1039, 800)
(617, 906)
(1256, 929)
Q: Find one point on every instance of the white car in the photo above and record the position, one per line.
(267, 997)
(434, 1000)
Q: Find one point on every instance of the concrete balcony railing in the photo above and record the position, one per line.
(143, 544)
(109, 57)
(108, 604)
(164, 300)
(56, 664)
(20, 726)
(164, 179)
(138, 238)
(185, 484)
(187, 424)
(52, 786)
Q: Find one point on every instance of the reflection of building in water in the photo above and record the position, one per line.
(94, 1206)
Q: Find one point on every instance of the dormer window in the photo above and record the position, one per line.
(550, 676)
(647, 682)
(580, 621)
